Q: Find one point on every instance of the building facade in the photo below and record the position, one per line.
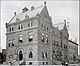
(73, 52)
(33, 40)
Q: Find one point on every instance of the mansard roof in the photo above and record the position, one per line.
(29, 14)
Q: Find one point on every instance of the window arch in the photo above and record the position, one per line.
(20, 55)
(30, 54)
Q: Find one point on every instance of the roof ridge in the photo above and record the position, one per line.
(31, 10)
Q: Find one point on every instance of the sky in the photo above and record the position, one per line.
(58, 10)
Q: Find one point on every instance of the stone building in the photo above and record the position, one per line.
(33, 40)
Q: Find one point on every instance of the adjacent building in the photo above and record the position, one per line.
(33, 40)
(73, 52)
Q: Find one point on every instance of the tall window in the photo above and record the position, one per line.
(12, 42)
(20, 55)
(30, 54)
(30, 24)
(9, 44)
(42, 54)
(46, 38)
(42, 37)
(20, 38)
(11, 29)
(20, 27)
(46, 54)
(30, 37)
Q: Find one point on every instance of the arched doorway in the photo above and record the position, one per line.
(20, 55)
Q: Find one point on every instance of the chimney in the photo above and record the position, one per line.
(14, 13)
(32, 8)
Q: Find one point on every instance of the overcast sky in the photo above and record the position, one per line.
(58, 10)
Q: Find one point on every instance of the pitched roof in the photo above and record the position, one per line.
(29, 13)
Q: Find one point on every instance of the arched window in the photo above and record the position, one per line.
(30, 54)
(30, 38)
(20, 55)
